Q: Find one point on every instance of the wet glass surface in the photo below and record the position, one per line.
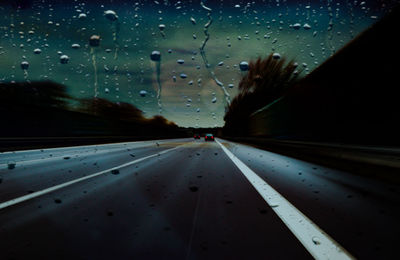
(200, 47)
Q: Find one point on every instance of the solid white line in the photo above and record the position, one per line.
(63, 185)
(319, 244)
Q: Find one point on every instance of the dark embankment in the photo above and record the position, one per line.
(352, 98)
(42, 114)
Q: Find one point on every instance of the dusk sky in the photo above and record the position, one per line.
(306, 31)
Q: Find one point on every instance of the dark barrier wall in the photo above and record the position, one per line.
(352, 97)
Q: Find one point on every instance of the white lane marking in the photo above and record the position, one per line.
(319, 244)
(63, 185)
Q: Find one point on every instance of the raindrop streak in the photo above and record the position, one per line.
(203, 53)
(115, 27)
(94, 42)
(330, 28)
(24, 67)
(162, 27)
(156, 57)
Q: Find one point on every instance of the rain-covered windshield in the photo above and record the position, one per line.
(199, 129)
(179, 59)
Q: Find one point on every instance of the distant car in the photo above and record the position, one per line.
(209, 137)
(196, 136)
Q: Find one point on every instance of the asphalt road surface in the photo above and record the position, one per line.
(189, 199)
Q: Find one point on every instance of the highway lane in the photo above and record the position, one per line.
(191, 202)
(29, 155)
(38, 169)
(182, 204)
(360, 213)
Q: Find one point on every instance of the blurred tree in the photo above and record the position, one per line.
(34, 94)
(114, 111)
(160, 121)
(267, 80)
(45, 109)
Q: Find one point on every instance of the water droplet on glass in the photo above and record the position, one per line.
(193, 188)
(276, 56)
(244, 66)
(273, 204)
(64, 59)
(75, 46)
(306, 26)
(143, 93)
(316, 240)
(11, 165)
(296, 26)
(161, 27)
(82, 16)
(115, 172)
(111, 15)
(155, 56)
(24, 65)
(94, 40)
